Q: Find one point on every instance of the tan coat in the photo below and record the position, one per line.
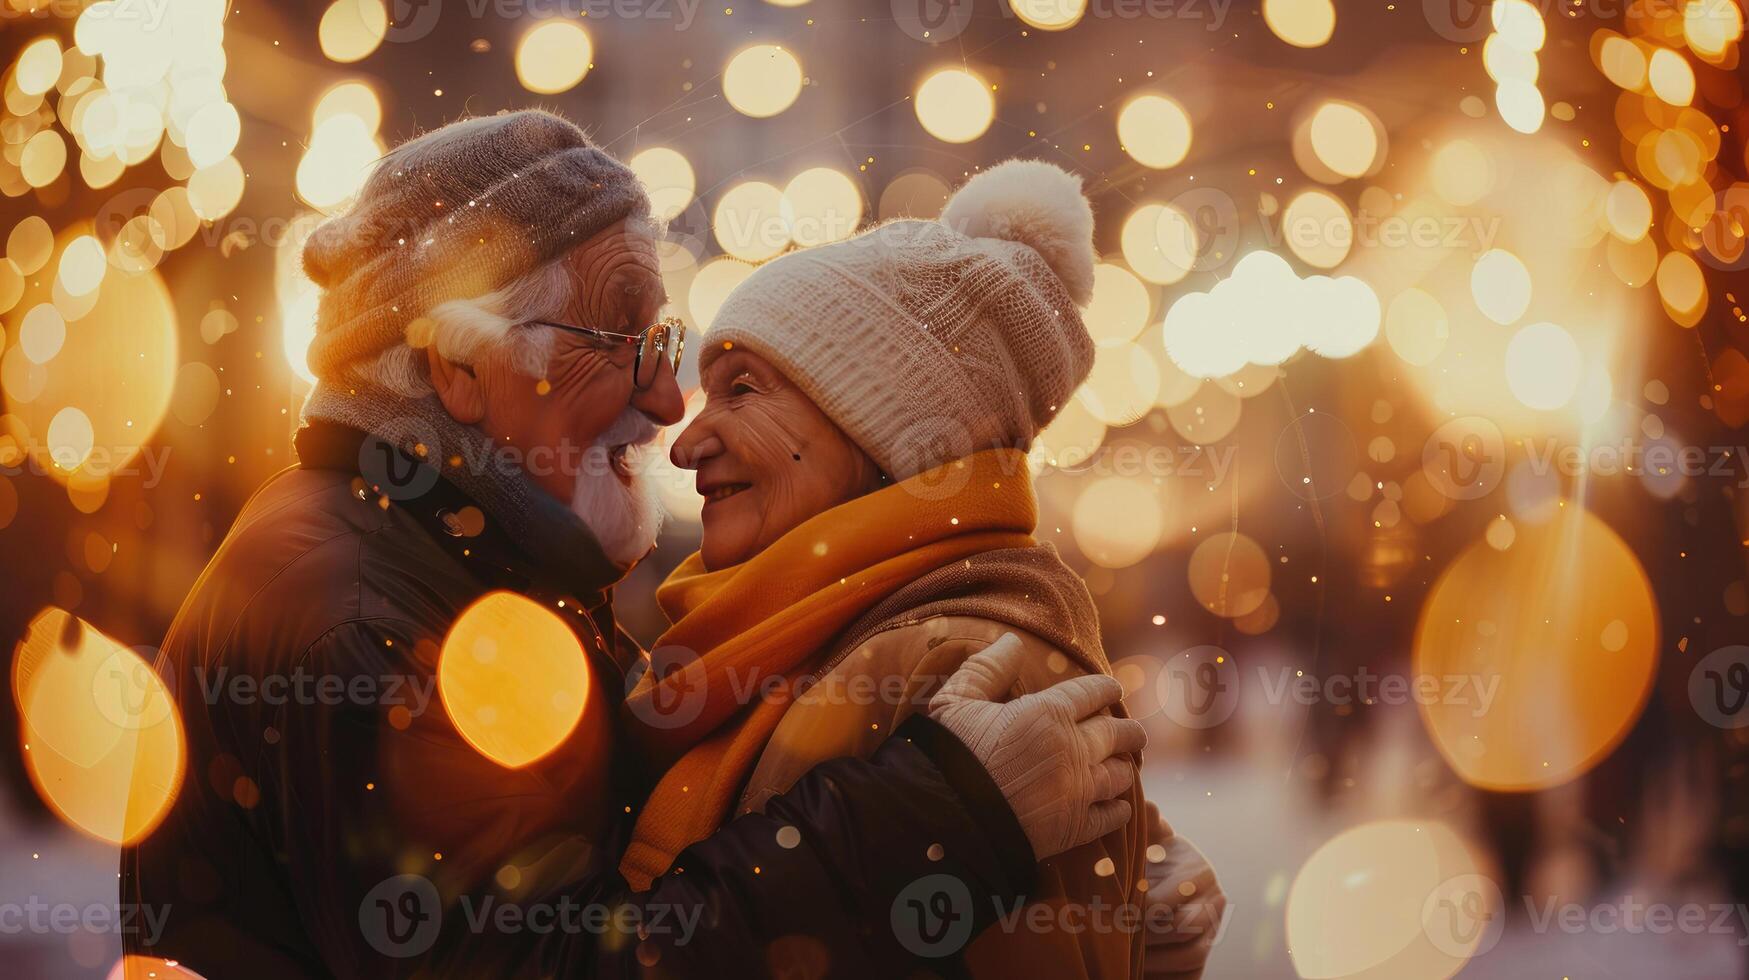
(1084, 927)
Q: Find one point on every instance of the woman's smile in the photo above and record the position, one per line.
(767, 458)
(718, 492)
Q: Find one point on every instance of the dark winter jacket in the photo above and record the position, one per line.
(332, 821)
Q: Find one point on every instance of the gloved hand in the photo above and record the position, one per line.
(1185, 907)
(1058, 760)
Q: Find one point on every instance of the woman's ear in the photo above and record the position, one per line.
(457, 387)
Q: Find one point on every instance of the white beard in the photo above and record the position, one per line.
(624, 519)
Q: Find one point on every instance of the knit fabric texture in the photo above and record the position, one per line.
(922, 343)
(455, 214)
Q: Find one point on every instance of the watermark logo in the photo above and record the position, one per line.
(932, 916)
(1463, 21)
(1465, 458)
(935, 450)
(401, 916)
(1316, 456)
(1727, 246)
(677, 698)
(127, 691)
(412, 20)
(1463, 916)
(932, 21)
(395, 474)
(1718, 687)
(1199, 688)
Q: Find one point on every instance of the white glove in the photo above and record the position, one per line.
(1058, 760)
(1185, 907)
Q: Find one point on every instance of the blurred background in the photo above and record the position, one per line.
(1409, 480)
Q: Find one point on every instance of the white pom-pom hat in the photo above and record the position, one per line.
(926, 341)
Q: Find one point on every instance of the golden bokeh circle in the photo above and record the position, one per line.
(1533, 620)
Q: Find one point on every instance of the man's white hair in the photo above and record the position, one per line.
(469, 331)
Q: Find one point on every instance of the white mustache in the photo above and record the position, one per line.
(632, 428)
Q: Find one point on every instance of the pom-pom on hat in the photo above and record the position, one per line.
(926, 341)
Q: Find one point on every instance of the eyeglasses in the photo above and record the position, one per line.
(661, 341)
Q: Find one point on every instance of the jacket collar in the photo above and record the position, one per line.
(466, 529)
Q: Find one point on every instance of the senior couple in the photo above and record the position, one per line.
(723, 806)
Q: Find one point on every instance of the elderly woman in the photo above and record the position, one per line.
(486, 347)
(868, 525)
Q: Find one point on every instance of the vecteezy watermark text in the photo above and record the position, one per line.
(402, 916)
(303, 687)
(35, 915)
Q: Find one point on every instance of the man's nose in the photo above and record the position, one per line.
(661, 401)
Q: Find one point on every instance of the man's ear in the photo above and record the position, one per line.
(457, 387)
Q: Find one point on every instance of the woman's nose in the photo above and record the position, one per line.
(695, 444)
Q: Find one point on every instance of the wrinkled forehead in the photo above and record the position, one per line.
(622, 256)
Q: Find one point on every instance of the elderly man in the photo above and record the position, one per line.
(491, 360)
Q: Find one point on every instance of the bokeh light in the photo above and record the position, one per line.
(102, 739)
(667, 178)
(749, 223)
(334, 167)
(1534, 617)
(1519, 23)
(1301, 23)
(1318, 228)
(1116, 522)
(1264, 313)
(1416, 326)
(1159, 243)
(1345, 138)
(491, 651)
(1682, 288)
(1500, 285)
(1154, 131)
(821, 205)
(108, 384)
(1120, 305)
(38, 66)
(762, 80)
(351, 29)
(1520, 104)
(1364, 905)
(955, 106)
(1071, 438)
(1122, 386)
(351, 99)
(1462, 173)
(1543, 365)
(1049, 15)
(1229, 574)
(1628, 211)
(714, 282)
(553, 56)
(1671, 77)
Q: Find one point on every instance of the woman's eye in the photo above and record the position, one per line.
(741, 388)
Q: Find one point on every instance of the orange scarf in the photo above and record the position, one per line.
(769, 617)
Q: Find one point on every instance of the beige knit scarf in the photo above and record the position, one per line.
(1027, 588)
